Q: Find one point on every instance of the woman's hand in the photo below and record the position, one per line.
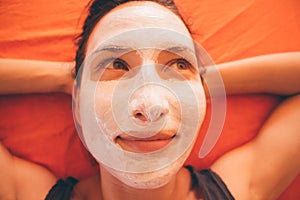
(69, 71)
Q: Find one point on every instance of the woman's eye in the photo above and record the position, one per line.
(120, 65)
(180, 64)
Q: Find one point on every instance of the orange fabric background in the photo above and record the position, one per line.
(39, 127)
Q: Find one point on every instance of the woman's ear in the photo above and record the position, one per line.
(76, 110)
(202, 70)
(75, 89)
(75, 103)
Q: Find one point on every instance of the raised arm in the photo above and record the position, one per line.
(273, 73)
(31, 76)
(264, 167)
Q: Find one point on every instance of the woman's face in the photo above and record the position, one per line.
(142, 75)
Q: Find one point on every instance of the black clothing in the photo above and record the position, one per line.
(206, 183)
(62, 190)
(209, 185)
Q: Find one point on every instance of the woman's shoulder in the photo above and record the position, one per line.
(23, 179)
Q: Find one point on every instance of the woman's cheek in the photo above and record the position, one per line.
(103, 107)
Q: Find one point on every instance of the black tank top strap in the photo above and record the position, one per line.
(209, 185)
(62, 190)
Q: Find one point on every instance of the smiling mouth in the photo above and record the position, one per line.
(145, 145)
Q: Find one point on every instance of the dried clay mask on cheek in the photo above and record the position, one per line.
(105, 111)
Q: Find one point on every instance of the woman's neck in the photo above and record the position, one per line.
(177, 188)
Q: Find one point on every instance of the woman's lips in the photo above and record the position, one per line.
(145, 145)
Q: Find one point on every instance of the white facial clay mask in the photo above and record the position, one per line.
(139, 104)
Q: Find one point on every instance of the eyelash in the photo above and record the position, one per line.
(112, 61)
(182, 60)
(122, 62)
(170, 63)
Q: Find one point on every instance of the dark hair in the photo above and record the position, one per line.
(97, 10)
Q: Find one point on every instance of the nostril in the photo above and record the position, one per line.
(139, 115)
(157, 112)
(150, 113)
(161, 115)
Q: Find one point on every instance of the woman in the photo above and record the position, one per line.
(244, 171)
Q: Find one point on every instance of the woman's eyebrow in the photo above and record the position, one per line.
(113, 49)
(116, 49)
(179, 49)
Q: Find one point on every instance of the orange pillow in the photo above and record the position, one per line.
(40, 128)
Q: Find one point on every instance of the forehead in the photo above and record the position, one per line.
(140, 25)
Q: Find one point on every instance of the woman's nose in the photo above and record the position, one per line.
(151, 113)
